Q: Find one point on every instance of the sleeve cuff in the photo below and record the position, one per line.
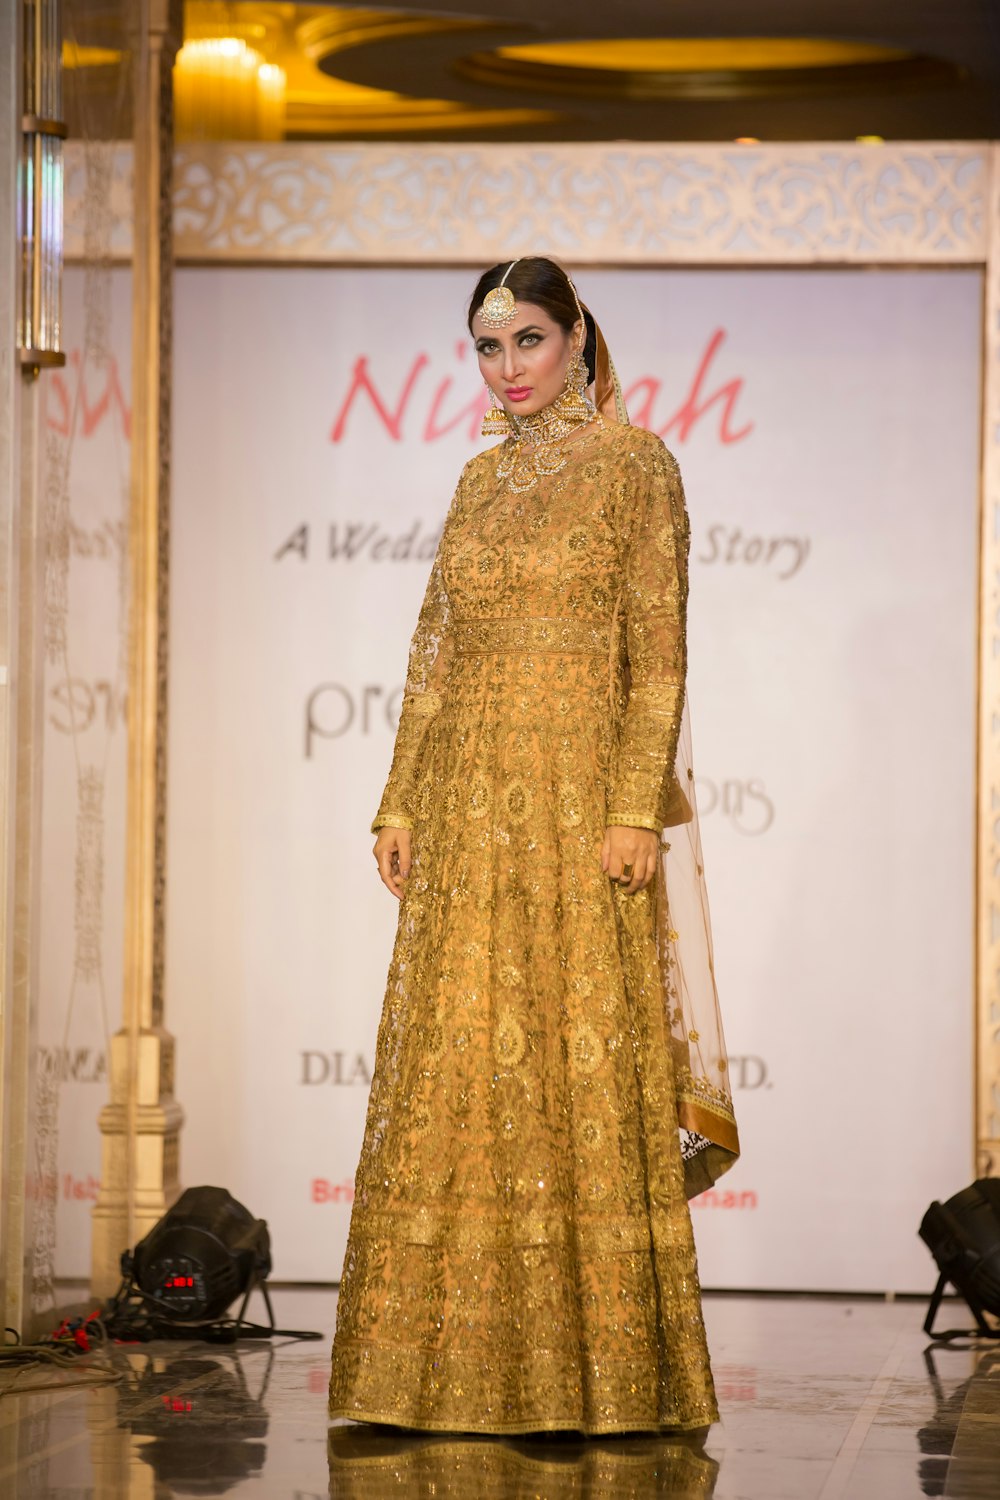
(391, 820)
(634, 820)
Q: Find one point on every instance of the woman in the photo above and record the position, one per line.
(550, 1079)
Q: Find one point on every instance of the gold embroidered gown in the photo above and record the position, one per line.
(520, 1254)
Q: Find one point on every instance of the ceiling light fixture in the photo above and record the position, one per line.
(224, 90)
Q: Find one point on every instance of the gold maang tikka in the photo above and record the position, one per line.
(499, 307)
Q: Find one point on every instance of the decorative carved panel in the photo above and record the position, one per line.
(705, 205)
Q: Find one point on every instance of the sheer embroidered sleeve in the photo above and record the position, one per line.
(423, 693)
(655, 537)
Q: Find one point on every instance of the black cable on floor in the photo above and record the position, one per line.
(64, 1350)
(133, 1315)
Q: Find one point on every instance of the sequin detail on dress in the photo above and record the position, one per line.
(520, 1254)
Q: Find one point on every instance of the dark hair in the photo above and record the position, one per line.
(539, 280)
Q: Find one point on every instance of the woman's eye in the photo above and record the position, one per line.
(529, 338)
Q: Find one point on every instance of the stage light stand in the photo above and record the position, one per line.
(963, 1235)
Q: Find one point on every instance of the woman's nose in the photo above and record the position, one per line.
(511, 363)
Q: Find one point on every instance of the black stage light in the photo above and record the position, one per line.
(206, 1251)
(963, 1235)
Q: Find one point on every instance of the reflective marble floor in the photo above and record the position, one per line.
(821, 1399)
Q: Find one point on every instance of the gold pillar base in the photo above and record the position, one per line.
(152, 1121)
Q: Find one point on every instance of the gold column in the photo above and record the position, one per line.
(141, 1123)
(30, 302)
(19, 1021)
(988, 862)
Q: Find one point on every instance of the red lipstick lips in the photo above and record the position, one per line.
(517, 392)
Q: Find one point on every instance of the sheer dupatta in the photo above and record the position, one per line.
(710, 1143)
(709, 1137)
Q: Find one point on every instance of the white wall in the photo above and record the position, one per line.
(832, 485)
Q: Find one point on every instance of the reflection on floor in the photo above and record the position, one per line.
(821, 1399)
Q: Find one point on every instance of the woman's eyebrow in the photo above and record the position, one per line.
(530, 328)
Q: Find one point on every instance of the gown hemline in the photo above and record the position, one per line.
(514, 1428)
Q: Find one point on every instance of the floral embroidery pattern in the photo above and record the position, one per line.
(520, 1255)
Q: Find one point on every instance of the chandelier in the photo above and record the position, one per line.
(225, 90)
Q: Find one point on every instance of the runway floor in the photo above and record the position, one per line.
(821, 1399)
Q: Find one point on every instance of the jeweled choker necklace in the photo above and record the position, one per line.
(536, 445)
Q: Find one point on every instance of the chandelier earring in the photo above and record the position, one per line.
(573, 403)
(577, 375)
(496, 422)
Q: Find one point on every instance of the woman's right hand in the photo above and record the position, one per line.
(392, 855)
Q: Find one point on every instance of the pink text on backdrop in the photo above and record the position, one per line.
(83, 395)
(415, 404)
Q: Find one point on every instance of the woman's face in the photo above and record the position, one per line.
(524, 364)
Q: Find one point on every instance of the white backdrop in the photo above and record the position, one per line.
(827, 426)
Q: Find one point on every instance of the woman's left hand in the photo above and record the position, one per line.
(638, 847)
